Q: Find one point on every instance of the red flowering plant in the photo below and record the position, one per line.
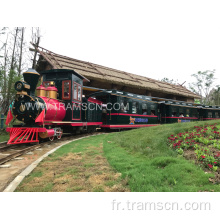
(203, 141)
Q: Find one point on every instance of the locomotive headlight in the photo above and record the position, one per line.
(19, 86)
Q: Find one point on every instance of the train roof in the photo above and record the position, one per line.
(102, 92)
(60, 71)
(210, 107)
(122, 93)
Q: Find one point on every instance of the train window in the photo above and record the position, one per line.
(152, 112)
(181, 114)
(134, 107)
(216, 115)
(79, 92)
(187, 112)
(173, 112)
(194, 113)
(66, 89)
(152, 107)
(209, 114)
(124, 105)
(75, 91)
(144, 108)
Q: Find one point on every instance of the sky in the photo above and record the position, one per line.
(156, 39)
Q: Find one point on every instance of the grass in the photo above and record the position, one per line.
(137, 160)
(143, 157)
(77, 166)
(4, 136)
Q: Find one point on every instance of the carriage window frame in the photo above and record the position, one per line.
(124, 104)
(77, 96)
(136, 105)
(66, 97)
(210, 115)
(187, 112)
(144, 107)
(173, 111)
(194, 112)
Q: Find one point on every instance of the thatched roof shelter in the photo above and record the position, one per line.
(109, 78)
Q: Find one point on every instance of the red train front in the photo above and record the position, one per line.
(50, 109)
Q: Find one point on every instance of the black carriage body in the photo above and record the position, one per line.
(174, 111)
(126, 110)
(209, 112)
(91, 112)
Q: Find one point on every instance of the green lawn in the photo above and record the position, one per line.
(141, 158)
(4, 136)
(142, 155)
(77, 166)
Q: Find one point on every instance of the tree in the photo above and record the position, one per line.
(21, 50)
(36, 41)
(203, 85)
(15, 57)
(215, 95)
(171, 81)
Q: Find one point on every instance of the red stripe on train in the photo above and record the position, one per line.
(181, 117)
(127, 126)
(123, 114)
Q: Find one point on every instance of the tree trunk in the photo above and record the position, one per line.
(35, 54)
(21, 48)
(13, 52)
(11, 73)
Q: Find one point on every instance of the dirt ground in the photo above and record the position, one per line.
(86, 171)
(17, 166)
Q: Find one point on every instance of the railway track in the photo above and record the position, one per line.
(16, 154)
(7, 155)
(4, 146)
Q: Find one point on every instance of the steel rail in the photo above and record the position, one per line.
(3, 145)
(27, 149)
(16, 154)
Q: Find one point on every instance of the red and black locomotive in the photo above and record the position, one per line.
(52, 108)
(58, 106)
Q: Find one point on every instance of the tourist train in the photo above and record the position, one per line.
(58, 106)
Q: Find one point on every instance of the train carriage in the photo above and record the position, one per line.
(176, 111)
(126, 110)
(209, 112)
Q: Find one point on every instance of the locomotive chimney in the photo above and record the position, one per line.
(31, 76)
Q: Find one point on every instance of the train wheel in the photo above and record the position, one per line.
(59, 134)
(51, 138)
